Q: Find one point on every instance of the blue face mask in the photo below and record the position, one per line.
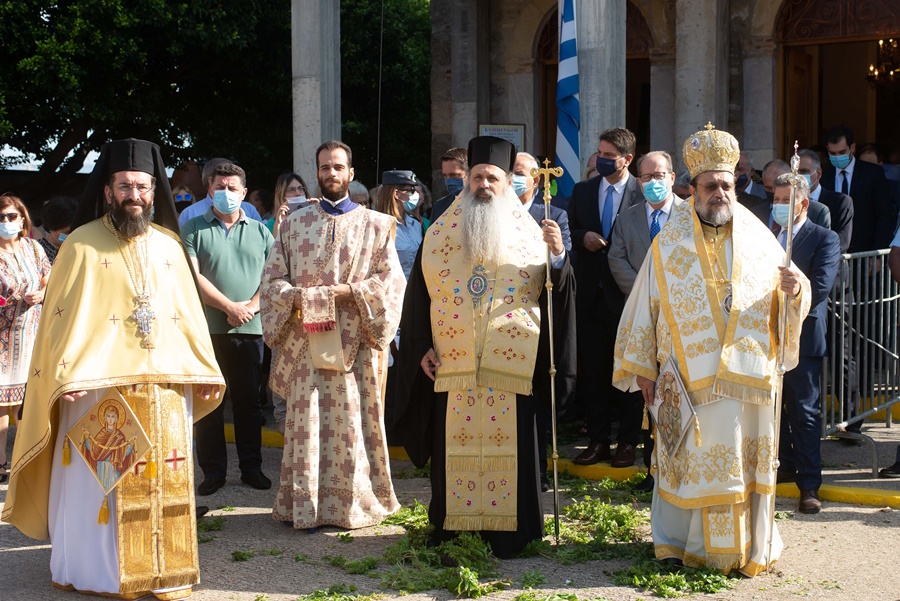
(521, 184)
(808, 179)
(840, 161)
(454, 185)
(226, 202)
(411, 204)
(656, 190)
(62, 237)
(605, 166)
(741, 181)
(781, 214)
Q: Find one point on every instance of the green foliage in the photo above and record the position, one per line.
(261, 597)
(210, 524)
(533, 579)
(406, 87)
(301, 557)
(241, 555)
(466, 583)
(226, 508)
(669, 581)
(339, 592)
(272, 552)
(533, 596)
(345, 537)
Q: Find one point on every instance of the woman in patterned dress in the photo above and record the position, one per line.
(23, 275)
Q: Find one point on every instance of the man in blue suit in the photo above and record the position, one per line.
(817, 253)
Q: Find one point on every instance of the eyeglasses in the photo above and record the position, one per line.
(142, 189)
(9, 217)
(293, 189)
(406, 190)
(726, 187)
(181, 197)
(659, 175)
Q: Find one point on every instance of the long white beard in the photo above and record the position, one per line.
(484, 224)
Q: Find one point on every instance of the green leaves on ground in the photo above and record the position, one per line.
(339, 592)
(670, 581)
(241, 555)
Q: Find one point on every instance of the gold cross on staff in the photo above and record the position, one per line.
(547, 171)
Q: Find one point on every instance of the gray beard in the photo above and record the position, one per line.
(483, 225)
(715, 218)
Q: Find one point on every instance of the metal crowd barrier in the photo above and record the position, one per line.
(860, 377)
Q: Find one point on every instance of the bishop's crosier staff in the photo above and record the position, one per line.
(782, 328)
(547, 171)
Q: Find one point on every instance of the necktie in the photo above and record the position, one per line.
(654, 225)
(845, 189)
(607, 217)
(782, 238)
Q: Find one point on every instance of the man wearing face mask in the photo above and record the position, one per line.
(454, 167)
(816, 252)
(532, 198)
(839, 205)
(818, 213)
(201, 206)
(592, 213)
(228, 251)
(874, 216)
(744, 182)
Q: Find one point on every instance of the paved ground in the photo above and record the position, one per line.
(846, 552)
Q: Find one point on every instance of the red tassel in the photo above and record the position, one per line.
(315, 328)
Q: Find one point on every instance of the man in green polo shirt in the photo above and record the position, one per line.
(228, 252)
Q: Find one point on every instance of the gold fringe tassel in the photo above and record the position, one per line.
(150, 470)
(505, 381)
(645, 422)
(697, 441)
(471, 522)
(67, 452)
(447, 383)
(103, 515)
(463, 463)
(742, 392)
(500, 463)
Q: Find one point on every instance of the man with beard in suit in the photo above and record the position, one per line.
(592, 212)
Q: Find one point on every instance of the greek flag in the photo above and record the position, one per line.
(568, 120)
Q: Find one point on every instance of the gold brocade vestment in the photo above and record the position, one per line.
(86, 342)
(487, 341)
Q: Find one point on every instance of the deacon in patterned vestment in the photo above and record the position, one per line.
(708, 293)
(330, 303)
(476, 343)
(123, 317)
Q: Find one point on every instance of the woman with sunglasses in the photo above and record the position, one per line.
(183, 197)
(24, 269)
(398, 196)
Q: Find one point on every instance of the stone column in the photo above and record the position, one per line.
(316, 79)
(601, 69)
(760, 116)
(662, 110)
(701, 67)
(469, 86)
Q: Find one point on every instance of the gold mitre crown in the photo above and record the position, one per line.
(711, 149)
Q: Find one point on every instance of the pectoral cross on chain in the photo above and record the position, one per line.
(143, 316)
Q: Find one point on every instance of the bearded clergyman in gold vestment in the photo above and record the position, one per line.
(708, 293)
(123, 313)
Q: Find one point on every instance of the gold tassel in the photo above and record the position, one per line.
(645, 422)
(103, 516)
(150, 470)
(67, 452)
(697, 441)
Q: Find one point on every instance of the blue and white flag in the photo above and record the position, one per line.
(568, 120)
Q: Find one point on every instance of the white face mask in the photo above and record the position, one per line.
(9, 230)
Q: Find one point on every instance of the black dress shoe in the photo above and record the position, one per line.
(257, 480)
(890, 472)
(625, 455)
(201, 510)
(809, 502)
(646, 485)
(545, 483)
(210, 485)
(594, 453)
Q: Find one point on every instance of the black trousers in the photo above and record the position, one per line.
(602, 401)
(240, 358)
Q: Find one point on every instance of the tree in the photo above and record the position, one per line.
(201, 78)
(406, 81)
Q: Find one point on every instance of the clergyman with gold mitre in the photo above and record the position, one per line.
(477, 348)
(123, 319)
(708, 292)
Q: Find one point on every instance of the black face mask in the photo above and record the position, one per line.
(770, 196)
(741, 181)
